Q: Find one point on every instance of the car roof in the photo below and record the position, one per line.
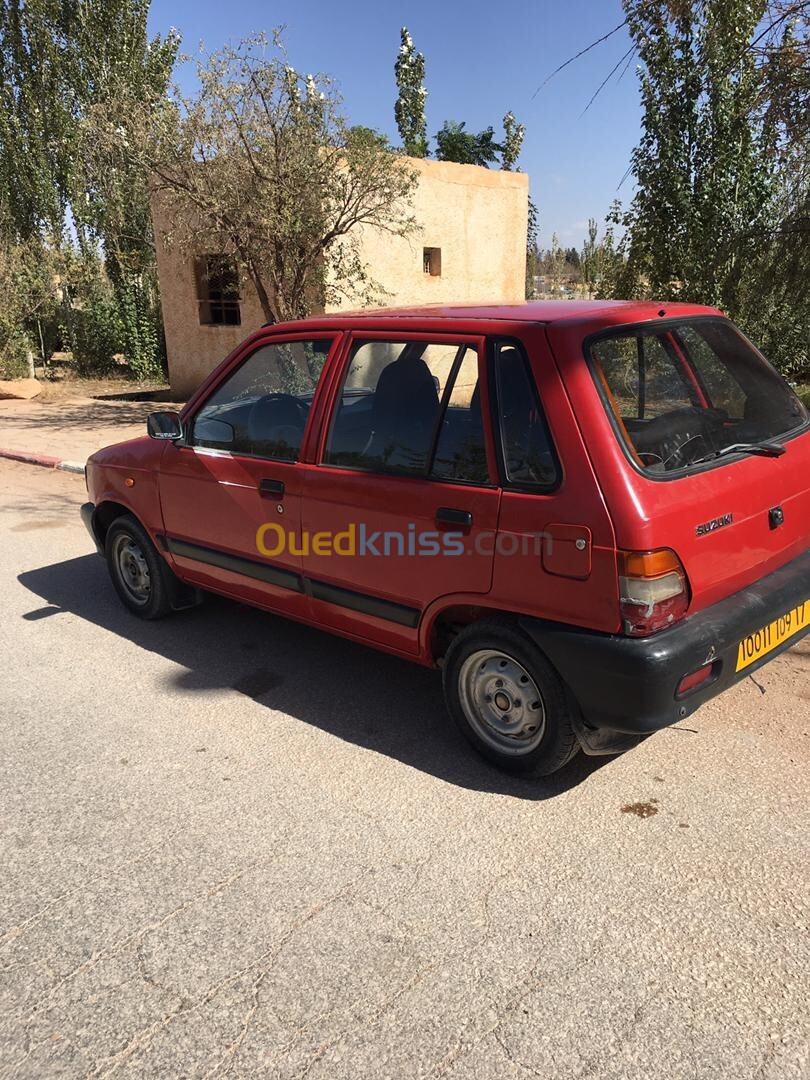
(610, 312)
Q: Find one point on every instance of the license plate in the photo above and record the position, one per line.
(771, 636)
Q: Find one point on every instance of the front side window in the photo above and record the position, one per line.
(682, 394)
(261, 409)
(411, 408)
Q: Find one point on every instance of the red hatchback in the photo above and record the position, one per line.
(592, 516)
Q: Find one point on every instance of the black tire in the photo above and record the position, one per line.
(508, 700)
(143, 588)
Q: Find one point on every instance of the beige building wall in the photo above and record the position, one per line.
(193, 349)
(476, 217)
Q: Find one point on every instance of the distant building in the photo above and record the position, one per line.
(470, 246)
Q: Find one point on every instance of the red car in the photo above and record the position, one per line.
(592, 516)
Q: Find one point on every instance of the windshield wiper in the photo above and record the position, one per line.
(764, 449)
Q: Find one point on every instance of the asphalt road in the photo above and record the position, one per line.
(231, 844)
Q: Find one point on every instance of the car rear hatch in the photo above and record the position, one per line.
(711, 444)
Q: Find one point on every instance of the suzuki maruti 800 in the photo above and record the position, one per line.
(593, 517)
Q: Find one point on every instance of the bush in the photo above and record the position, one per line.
(94, 333)
(14, 350)
(141, 330)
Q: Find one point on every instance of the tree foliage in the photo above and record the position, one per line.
(454, 143)
(704, 166)
(29, 272)
(514, 134)
(409, 108)
(60, 61)
(721, 210)
(261, 165)
(532, 250)
(599, 262)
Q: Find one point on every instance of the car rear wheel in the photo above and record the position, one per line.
(137, 570)
(508, 700)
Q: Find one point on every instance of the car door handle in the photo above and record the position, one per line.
(271, 487)
(446, 515)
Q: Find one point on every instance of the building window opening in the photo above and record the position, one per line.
(218, 291)
(432, 261)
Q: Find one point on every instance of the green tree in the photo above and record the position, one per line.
(600, 263)
(36, 119)
(554, 265)
(62, 62)
(704, 168)
(260, 164)
(409, 109)
(29, 275)
(532, 251)
(514, 134)
(465, 147)
(774, 300)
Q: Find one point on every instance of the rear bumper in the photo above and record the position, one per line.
(626, 687)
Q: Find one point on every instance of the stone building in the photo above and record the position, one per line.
(470, 246)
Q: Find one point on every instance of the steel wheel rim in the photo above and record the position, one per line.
(501, 702)
(132, 569)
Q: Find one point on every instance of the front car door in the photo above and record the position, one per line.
(232, 486)
(401, 503)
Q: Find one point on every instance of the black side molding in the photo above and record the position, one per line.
(368, 605)
(288, 579)
(237, 564)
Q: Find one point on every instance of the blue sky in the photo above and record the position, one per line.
(482, 59)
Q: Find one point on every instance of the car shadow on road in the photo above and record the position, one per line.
(360, 695)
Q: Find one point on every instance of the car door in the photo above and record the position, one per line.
(230, 490)
(401, 500)
(556, 551)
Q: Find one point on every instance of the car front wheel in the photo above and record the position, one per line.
(508, 700)
(136, 570)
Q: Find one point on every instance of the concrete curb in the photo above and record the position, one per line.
(44, 460)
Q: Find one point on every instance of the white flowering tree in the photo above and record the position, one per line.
(409, 110)
(514, 134)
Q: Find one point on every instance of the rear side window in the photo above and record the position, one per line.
(410, 408)
(460, 453)
(527, 452)
(683, 393)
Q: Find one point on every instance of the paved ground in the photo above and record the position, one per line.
(73, 427)
(233, 844)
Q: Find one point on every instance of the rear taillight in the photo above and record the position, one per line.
(653, 590)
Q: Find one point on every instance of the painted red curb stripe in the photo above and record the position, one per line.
(31, 459)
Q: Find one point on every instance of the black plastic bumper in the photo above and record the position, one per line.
(87, 512)
(627, 687)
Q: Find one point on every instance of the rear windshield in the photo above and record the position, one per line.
(681, 394)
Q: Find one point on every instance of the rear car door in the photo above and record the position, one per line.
(401, 498)
(232, 487)
(555, 554)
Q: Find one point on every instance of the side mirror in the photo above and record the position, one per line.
(164, 425)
